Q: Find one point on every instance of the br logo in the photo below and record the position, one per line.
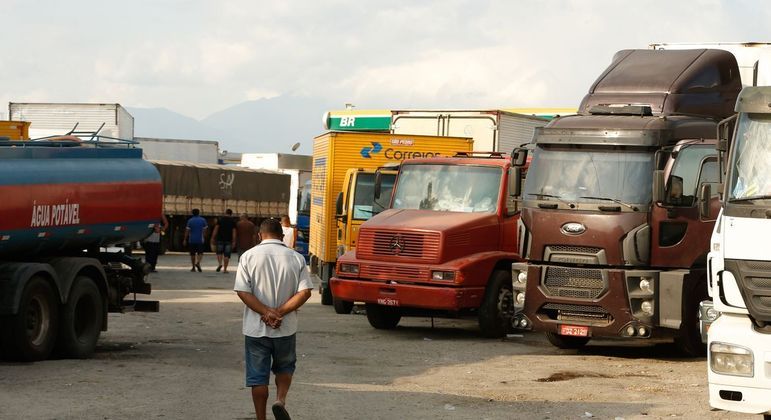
(367, 152)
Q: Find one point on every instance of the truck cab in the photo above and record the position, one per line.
(739, 263)
(612, 230)
(443, 248)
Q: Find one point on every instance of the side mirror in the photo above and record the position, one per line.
(658, 186)
(339, 204)
(378, 184)
(519, 157)
(705, 194)
(515, 182)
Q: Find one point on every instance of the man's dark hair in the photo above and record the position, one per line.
(229, 212)
(271, 227)
(196, 212)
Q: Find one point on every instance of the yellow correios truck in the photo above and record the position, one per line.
(334, 154)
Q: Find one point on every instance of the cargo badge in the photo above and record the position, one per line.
(573, 228)
(397, 245)
(367, 152)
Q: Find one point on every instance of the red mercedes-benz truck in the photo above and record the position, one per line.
(444, 248)
(611, 229)
(64, 201)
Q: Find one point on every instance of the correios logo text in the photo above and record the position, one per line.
(392, 153)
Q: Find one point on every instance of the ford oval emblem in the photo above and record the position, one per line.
(573, 228)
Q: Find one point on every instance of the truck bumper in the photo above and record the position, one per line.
(735, 393)
(408, 295)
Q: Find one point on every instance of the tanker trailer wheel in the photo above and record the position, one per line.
(566, 342)
(383, 317)
(30, 334)
(498, 306)
(342, 306)
(688, 339)
(81, 321)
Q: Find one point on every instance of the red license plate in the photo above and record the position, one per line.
(574, 330)
(388, 301)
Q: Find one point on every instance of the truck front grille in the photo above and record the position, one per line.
(594, 315)
(393, 272)
(423, 246)
(579, 283)
(754, 278)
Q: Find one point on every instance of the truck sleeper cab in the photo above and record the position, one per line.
(614, 226)
(444, 248)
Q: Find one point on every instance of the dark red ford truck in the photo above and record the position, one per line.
(613, 227)
(444, 248)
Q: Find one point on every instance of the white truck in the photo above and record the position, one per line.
(491, 130)
(55, 119)
(194, 151)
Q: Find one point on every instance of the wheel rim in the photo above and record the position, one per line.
(38, 321)
(505, 303)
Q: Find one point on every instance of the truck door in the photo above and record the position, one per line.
(679, 236)
(361, 205)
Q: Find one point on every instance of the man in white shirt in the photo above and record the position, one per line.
(290, 234)
(273, 282)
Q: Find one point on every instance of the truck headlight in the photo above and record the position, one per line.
(728, 359)
(348, 268)
(647, 307)
(646, 286)
(520, 298)
(443, 275)
(522, 278)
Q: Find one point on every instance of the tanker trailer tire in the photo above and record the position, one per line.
(688, 339)
(498, 306)
(566, 342)
(30, 334)
(342, 306)
(81, 320)
(383, 317)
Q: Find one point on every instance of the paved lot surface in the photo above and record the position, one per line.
(187, 362)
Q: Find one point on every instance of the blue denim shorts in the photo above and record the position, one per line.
(265, 354)
(224, 248)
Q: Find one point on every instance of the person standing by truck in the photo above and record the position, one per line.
(223, 239)
(273, 282)
(152, 245)
(290, 233)
(246, 234)
(195, 231)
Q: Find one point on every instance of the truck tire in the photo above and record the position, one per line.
(326, 295)
(566, 342)
(342, 306)
(688, 339)
(497, 306)
(81, 320)
(326, 273)
(30, 334)
(383, 317)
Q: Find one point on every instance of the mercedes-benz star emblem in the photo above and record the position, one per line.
(397, 245)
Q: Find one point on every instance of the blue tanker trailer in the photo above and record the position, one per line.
(61, 202)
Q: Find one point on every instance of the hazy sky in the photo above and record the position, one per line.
(197, 57)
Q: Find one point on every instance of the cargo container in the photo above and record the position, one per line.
(334, 153)
(213, 189)
(53, 119)
(63, 202)
(14, 130)
(194, 151)
(491, 130)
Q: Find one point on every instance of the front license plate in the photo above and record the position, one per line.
(574, 330)
(388, 301)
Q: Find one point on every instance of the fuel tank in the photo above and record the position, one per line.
(59, 198)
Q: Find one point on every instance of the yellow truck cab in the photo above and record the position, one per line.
(347, 161)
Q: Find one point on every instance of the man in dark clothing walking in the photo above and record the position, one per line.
(223, 238)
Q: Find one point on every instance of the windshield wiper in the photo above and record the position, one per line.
(540, 195)
(751, 198)
(613, 200)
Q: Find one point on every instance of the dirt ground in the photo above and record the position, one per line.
(187, 362)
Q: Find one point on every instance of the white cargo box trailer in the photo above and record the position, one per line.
(195, 151)
(51, 119)
(492, 130)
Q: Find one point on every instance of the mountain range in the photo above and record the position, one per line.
(259, 126)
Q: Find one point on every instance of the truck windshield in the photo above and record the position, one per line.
(590, 175)
(751, 160)
(458, 188)
(364, 204)
(304, 206)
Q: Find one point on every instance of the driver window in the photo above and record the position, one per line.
(683, 182)
(709, 174)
